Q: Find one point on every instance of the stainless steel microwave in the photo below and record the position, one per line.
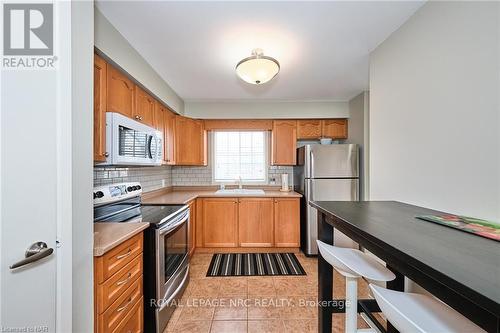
(129, 142)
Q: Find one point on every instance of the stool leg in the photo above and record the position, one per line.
(351, 311)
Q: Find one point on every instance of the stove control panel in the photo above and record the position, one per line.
(116, 192)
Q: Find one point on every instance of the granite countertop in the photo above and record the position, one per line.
(185, 195)
(107, 235)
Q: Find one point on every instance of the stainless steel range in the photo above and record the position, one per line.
(166, 266)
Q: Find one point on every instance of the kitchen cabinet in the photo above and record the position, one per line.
(169, 136)
(220, 222)
(284, 141)
(192, 227)
(286, 222)
(118, 288)
(309, 129)
(255, 222)
(334, 128)
(144, 107)
(120, 93)
(190, 142)
(99, 109)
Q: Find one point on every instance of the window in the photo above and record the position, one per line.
(240, 154)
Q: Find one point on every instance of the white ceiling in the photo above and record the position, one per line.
(323, 47)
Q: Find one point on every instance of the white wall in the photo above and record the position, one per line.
(266, 109)
(358, 127)
(109, 41)
(434, 110)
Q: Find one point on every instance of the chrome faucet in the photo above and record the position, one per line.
(240, 183)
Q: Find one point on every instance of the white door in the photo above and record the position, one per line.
(34, 110)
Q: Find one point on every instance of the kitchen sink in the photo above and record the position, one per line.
(243, 191)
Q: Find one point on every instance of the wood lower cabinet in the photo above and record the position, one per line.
(118, 288)
(287, 222)
(309, 129)
(334, 128)
(284, 142)
(120, 93)
(190, 142)
(220, 222)
(192, 227)
(144, 107)
(255, 222)
(100, 71)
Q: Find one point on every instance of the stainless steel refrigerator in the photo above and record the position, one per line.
(324, 173)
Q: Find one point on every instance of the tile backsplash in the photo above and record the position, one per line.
(151, 178)
(202, 176)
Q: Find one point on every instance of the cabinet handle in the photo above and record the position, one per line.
(121, 256)
(125, 306)
(106, 154)
(140, 118)
(119, 283)
(137, 117)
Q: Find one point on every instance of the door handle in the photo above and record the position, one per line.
(34, 253)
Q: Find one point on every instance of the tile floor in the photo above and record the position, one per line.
(253, 304)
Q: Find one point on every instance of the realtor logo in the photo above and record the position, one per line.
(28, 29)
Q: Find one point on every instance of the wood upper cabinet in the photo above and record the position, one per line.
(255, 217)
(120, 93)
(99, 109)
(334, 128)
(308, 129)
(192, 227)
(190, 142)
(220, 222)
(169, 136)
(144, 107)
(284, 141)
(286, 222)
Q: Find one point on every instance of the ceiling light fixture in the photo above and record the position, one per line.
(258, 68)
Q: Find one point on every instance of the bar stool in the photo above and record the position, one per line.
(353, 264)
(420, 313)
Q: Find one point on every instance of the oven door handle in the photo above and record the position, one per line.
(177, 291)
(174, 226)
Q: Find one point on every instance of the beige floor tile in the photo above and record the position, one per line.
(236, 286)
(201, 259)
(193, 313)
(233, 308)
(300, 307)
(301, 326)
(264, 307)
(205, 287)
(266, 326)
(197, 326)
(225, 326)
(292, 286)
(197, 271)
(262, 286)
(173, 320)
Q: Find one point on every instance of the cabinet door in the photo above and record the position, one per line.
(144, 107)
(99, 109)
(220, 222)
(309, 129)
(255, 218)
(192, 226)
(119, 93)
(169, 136)
(284, 139)
(286, 222)
(190, 142)
(334, 128)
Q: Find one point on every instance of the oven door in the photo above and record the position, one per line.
(172, 256)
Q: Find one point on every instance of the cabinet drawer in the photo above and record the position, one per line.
(117, 258)
(133, 322)
(116, 313)
(113, 287)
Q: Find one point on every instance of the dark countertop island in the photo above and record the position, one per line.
(461, 269)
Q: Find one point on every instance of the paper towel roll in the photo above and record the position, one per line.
(284, 182)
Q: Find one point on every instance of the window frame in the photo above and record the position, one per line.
(267, 141)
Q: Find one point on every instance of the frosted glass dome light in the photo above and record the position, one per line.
(258, 68)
